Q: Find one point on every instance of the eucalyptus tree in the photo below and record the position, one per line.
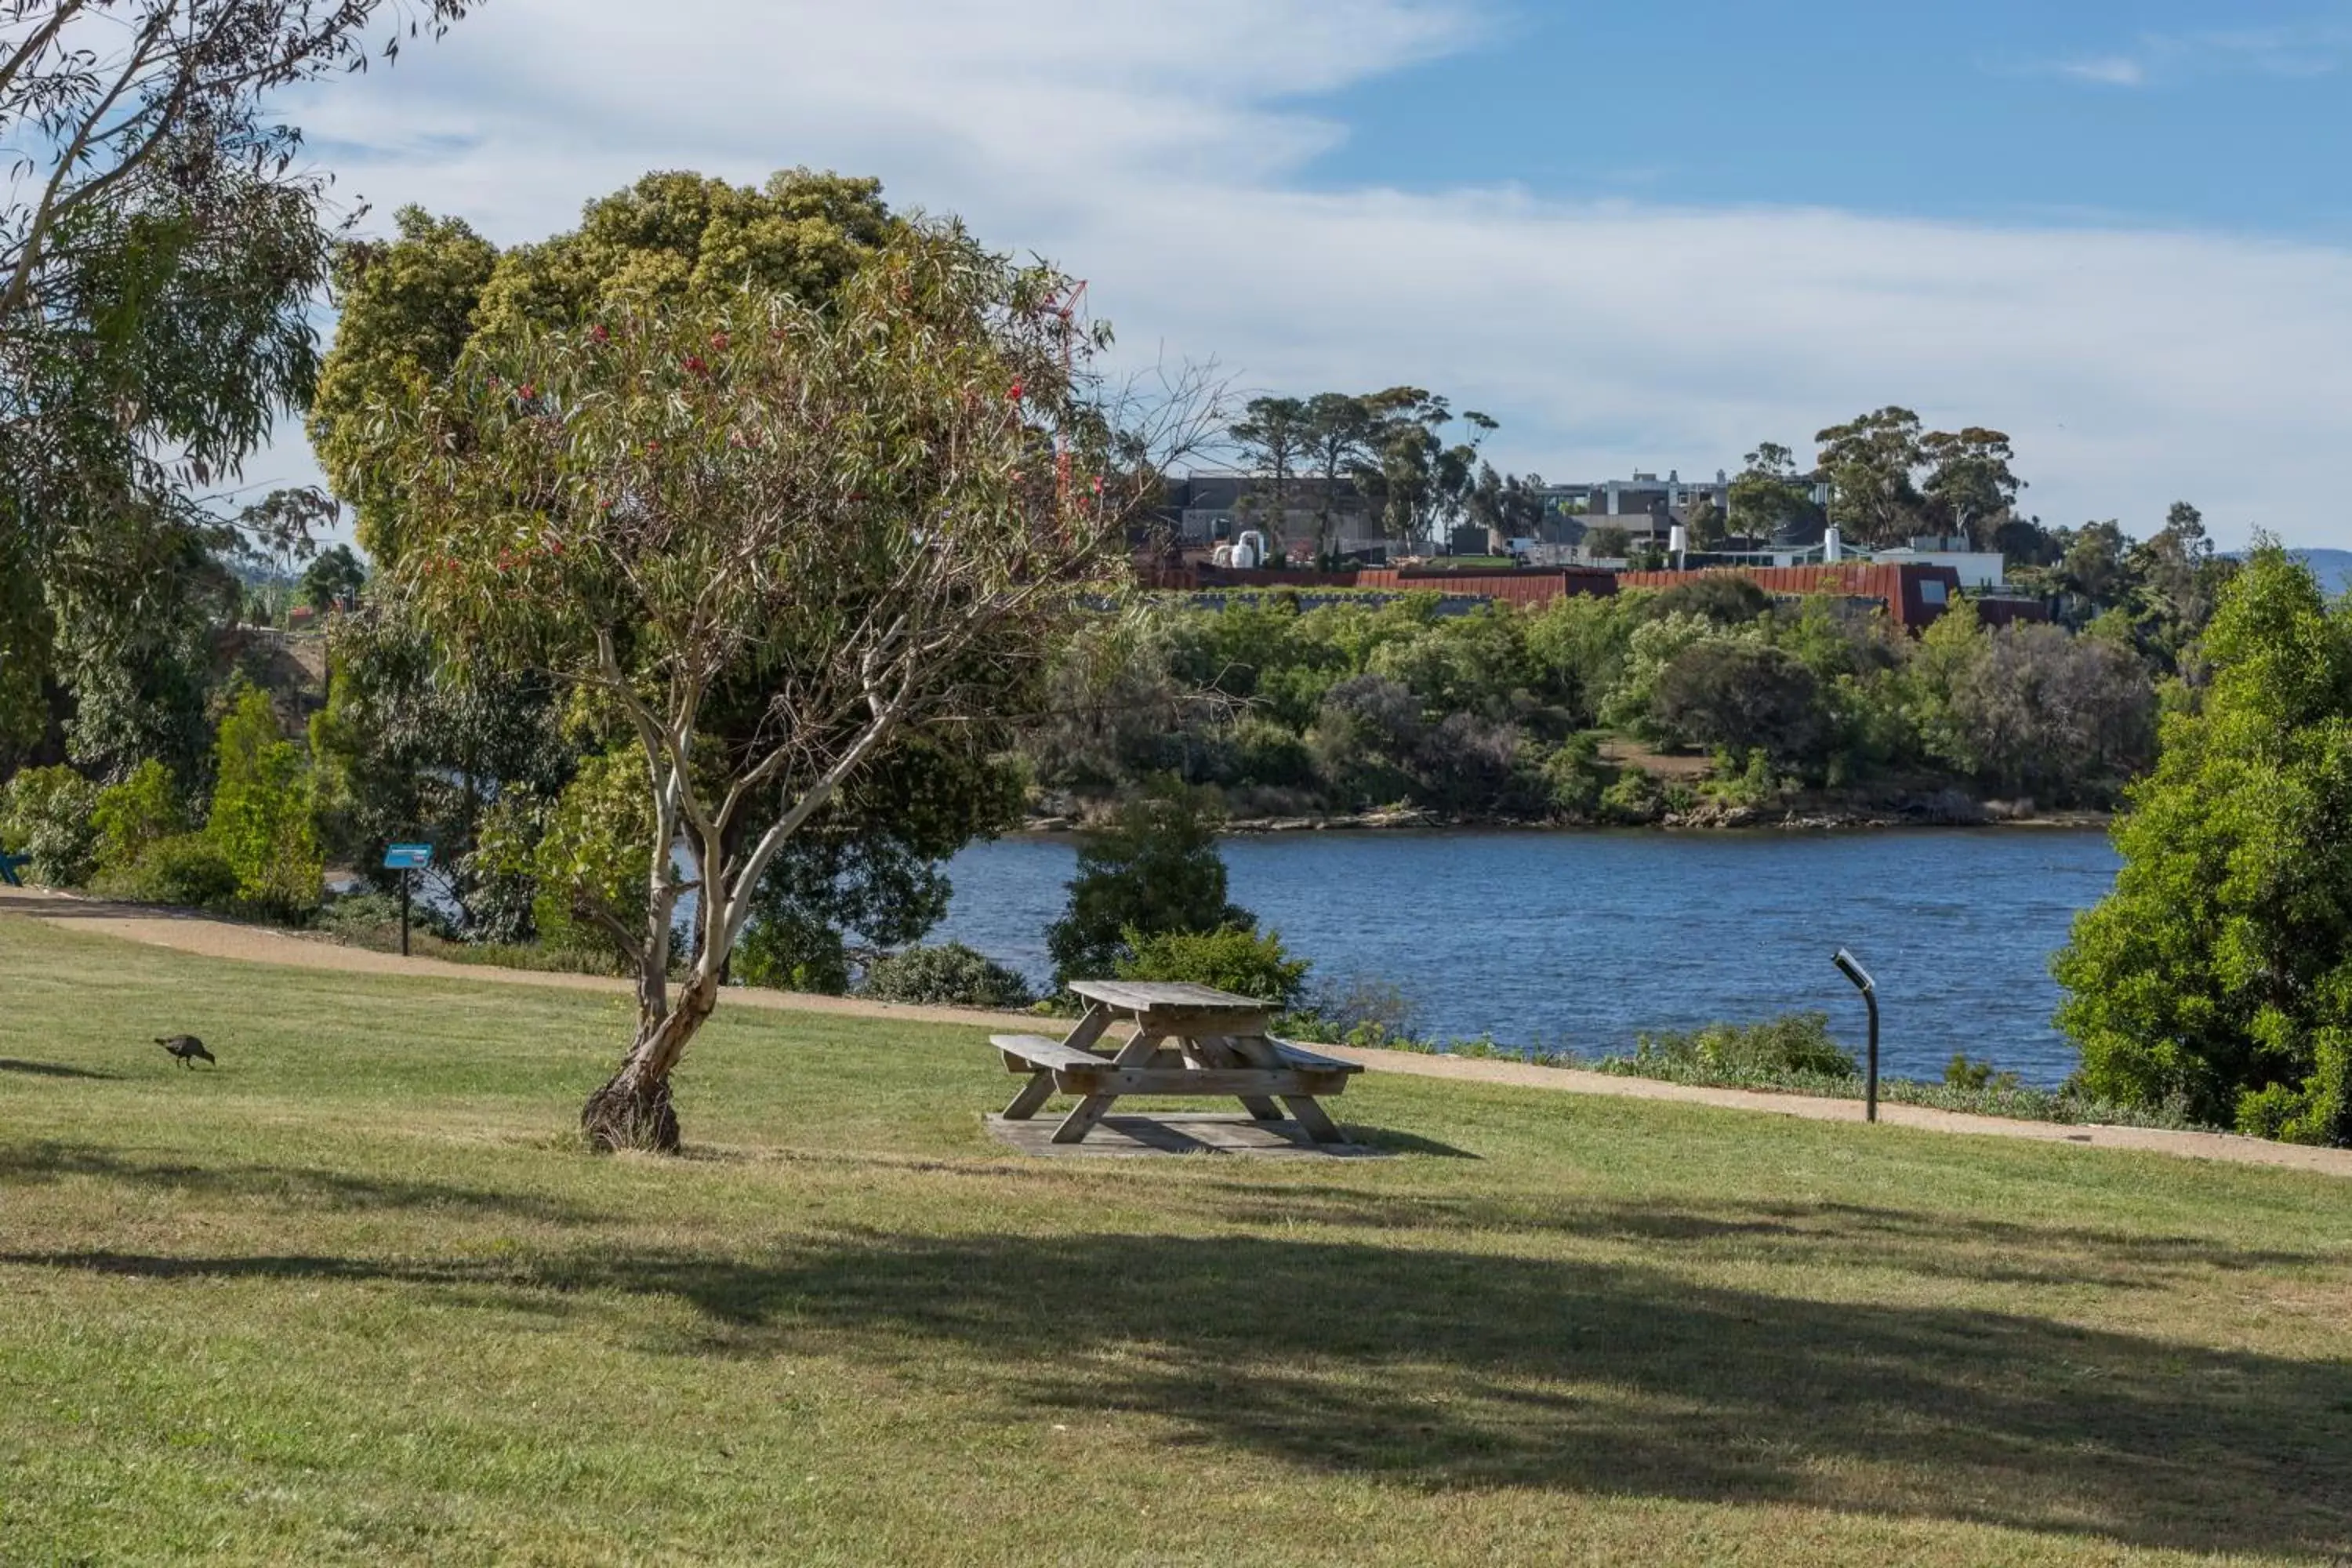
(841, 528)
(1273, 438)
(1869, 462)
(161, 245)
(1769, 497)
(1339, 429)
(1969, 480)
(411, 303)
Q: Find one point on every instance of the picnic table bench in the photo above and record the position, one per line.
(1188, 1040)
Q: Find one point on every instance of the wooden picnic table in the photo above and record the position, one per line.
(1188, 1040)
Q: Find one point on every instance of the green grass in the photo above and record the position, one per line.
(356, 1298)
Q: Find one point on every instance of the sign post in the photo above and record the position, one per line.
(407, 859)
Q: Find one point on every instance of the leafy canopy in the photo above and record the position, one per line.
(410, 305)
(2218, 975)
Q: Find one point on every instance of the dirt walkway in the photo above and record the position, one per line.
(260, 945)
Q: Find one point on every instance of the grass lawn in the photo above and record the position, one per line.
(355, 1298)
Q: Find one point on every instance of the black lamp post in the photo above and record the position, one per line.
(1851, 967)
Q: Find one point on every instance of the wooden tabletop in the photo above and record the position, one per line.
(1166, 995)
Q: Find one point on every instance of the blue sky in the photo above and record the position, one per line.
(2174, 114)
(1642, 235)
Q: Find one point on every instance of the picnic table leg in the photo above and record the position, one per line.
(1094, 1107)
(1260, 1052)
(1223, 1051)
(1040, 1087)
(1319, 1126)
(1031, 1097)
(1090, 1028)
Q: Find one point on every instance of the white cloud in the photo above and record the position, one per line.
(1154, 149)
(2309, 50)
(2108, 71)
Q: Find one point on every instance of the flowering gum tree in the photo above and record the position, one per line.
(779, 539)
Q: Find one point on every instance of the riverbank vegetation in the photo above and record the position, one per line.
(1705, 702)
(1796, 1054)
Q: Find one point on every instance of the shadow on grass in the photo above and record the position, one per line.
(50, 1069)
(1449, 1368)
(293, 1185)
(1390, 1142)
(1830, 1235)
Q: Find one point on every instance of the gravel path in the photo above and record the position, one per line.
(260, 945)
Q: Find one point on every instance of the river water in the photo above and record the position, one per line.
(1578, 941)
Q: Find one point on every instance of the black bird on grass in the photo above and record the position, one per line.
(188, 1048)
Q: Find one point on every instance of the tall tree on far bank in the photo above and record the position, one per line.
(1508, 505)
(332, 580)
(1417, 482)
(1869, 462)
(1273, 438)
(2218, 975)
(1769, 500)
(831, 526)
(2180, 579)
(1969, 482)
(1338, 435)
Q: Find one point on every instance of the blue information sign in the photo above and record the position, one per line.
(407, 856)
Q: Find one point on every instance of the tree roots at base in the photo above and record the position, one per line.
(630, 1116)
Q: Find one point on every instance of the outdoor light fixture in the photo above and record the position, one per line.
(1851, 967)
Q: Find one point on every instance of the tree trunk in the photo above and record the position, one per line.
(633, 1111)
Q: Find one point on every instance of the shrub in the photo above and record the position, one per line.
(2052, 716)
(1741, 696)
(1960, 1072)
(951, 975)
(1232, 958)
(1653, 646)
(1743, 784)
(1793, 1043)
(47, 815)
(375, 916)
(133, 816)
(1634, 799)
(1571, 779)
(1578, 646)
(1724, 599)
(261, 814)
(791, 955)
(1469, 765)
(1362, 1010)
(189, 870)
(1265, 752)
